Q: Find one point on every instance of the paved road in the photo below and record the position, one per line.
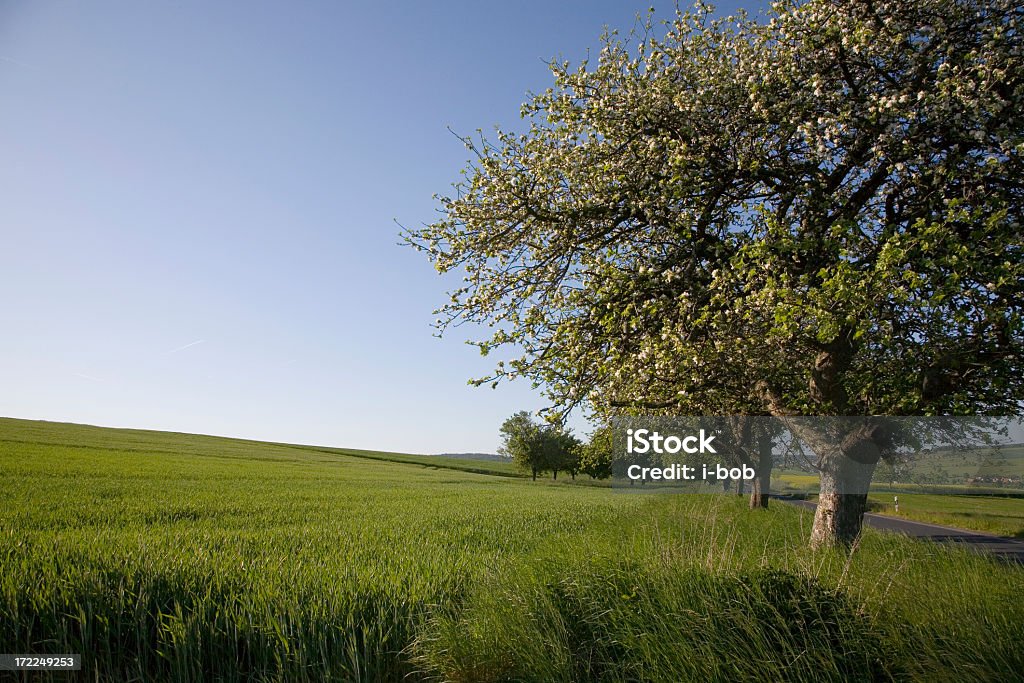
(1006, 549)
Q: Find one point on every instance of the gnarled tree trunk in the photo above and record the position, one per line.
(847, 451)
(839, 516)
(845, 476)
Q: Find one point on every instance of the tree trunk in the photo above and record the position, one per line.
(847, 451)
(535, 475)
(838, 519)
(760, 492)
(842, 502)
(761, 488)
(554, 475)
(739, 487)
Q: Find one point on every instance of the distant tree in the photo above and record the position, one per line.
(750, 440)
(564, 451)
(539, 447)
(596, 454)
(576, 458)
(818, 214)
(524, 441)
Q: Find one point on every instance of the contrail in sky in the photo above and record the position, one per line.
(182, 348)
(14, 61)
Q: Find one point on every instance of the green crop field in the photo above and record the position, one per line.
(1000, 512)
(1003, 516)
(161, 556)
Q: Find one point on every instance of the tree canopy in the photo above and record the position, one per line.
(539, 447)
(817, 212)
(597, 454)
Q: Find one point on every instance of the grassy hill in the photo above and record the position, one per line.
(110, 439)
(183, 557)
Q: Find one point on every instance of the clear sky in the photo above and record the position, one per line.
(198, 205)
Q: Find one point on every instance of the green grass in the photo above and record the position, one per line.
(173, 443)
(181, 557)
(1006, 460)
(794, 482)
(1002, 516)
(961, 507)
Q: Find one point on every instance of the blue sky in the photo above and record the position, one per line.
(199, 206)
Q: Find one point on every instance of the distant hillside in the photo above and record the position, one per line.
(17, 431)
(493, 457)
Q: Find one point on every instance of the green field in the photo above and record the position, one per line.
(1002, 516)
(179, 557)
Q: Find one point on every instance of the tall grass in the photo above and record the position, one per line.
(704, 590)
(182, 558)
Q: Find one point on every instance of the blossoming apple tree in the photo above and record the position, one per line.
(815, 212)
